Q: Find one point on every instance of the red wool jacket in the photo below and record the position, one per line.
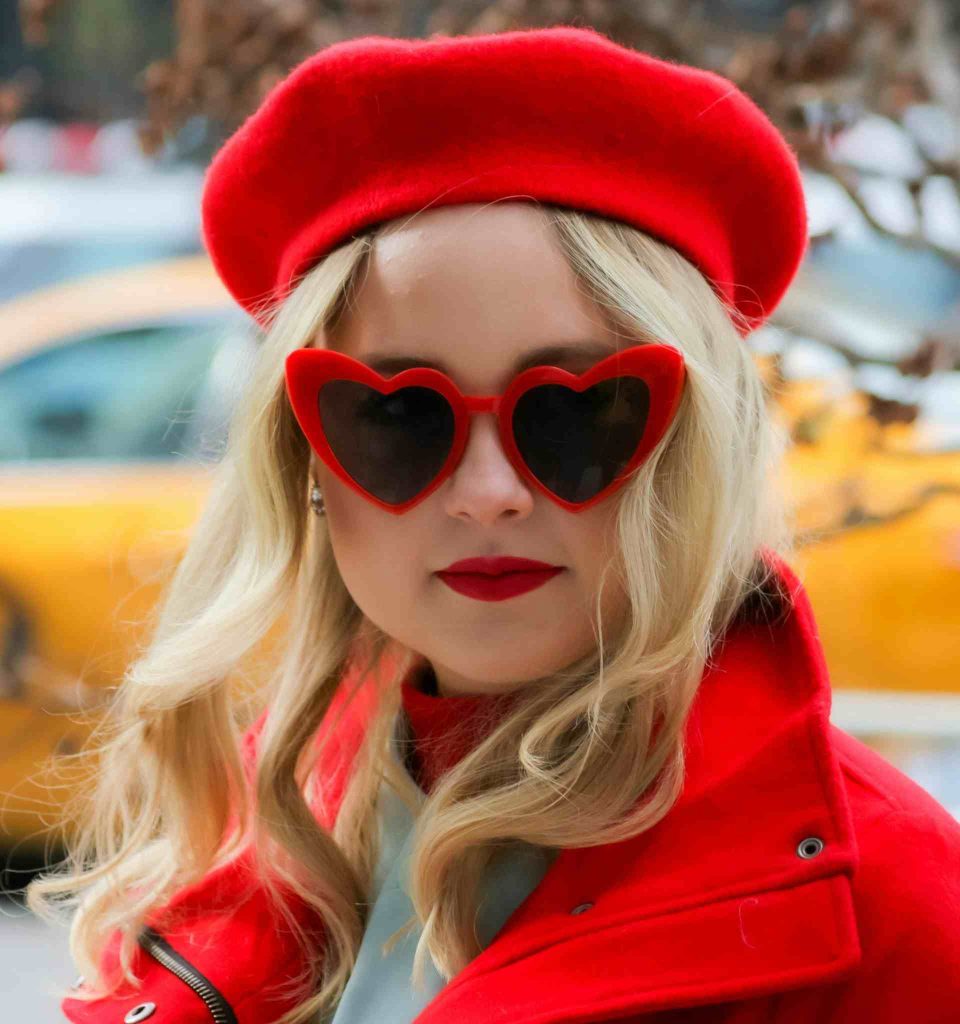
(800, 878)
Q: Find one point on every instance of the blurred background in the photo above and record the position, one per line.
(121, 353)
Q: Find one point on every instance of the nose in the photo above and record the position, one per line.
(486, 485)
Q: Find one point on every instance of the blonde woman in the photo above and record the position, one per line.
(548, 738)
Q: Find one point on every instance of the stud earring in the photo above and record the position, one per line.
(316, 500)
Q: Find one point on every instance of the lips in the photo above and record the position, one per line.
(496, 579)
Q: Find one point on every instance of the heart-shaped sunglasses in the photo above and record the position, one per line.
(576, 438)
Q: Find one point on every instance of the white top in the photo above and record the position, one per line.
(380, 989)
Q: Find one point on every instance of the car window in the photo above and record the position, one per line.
(119, 395)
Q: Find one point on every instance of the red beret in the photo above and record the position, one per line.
(373, 128)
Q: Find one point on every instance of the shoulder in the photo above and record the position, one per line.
(883, 800)
(224, 929)
(906, 891)
(909, 843)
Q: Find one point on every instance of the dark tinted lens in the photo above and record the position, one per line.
(577, 442)
(392, 445)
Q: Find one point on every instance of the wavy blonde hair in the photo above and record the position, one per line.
(589, 755)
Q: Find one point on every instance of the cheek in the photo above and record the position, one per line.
(356, 530)
(374, 550)
(595, 545)
(593, 534)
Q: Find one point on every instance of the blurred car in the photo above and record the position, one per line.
(115, 393)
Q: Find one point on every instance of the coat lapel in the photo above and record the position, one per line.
(716, 902)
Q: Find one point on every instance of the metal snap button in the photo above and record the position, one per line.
(580, 908)
(810, 847)
(139, 1013)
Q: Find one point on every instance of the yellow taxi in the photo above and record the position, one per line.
(115, 391)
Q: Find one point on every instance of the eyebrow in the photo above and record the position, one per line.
(548, 355)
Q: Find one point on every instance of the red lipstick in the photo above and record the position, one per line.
(495, 579)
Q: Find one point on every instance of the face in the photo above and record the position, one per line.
(473, 289)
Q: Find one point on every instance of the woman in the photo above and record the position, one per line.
(505, 281)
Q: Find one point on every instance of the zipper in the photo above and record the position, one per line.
(161, 951)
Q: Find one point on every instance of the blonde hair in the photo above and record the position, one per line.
(586, 756)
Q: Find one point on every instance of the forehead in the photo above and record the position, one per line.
(474, 287)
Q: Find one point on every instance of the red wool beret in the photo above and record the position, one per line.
(374, 128)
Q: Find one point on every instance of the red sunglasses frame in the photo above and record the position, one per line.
(661, 367)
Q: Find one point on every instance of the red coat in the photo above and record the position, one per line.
(800, 878)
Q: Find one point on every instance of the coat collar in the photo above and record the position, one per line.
(715, 902)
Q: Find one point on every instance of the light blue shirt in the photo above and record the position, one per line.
(380, 990)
